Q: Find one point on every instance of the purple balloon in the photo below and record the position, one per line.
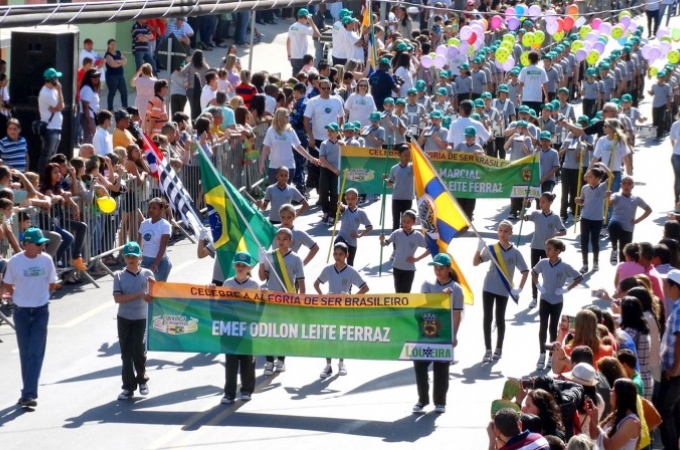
(552, 27)
(513, 23)
(581, 54)
(606, 28)
(452, 51)
(599, 47)
(508, 64)
(625, 21)
(464, 47)
(479, 43)
(662, 32)
(592, 37)
(498, 64)
(654, 53)
(665, 48)
(645, 51)
(442, 50)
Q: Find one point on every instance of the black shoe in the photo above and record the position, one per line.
(27, 403)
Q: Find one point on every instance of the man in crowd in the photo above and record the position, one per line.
(141, 49)
(298, 40)
(50, 106)
(505, 433)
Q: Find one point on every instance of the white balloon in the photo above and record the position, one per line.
(440, 61)
(580, 22)
(426, 61)
(442, 50)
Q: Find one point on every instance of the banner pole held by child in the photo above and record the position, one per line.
(337, 215)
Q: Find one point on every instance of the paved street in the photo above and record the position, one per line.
(370, 407)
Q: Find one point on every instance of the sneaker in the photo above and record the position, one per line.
(342, 369)
(226, 400)
(541, 362)
(144, 389)
(28, 402)
(533, 303)
(549, 363)
(513, 216)
(614, 258)
(418, 407)
(125, 395)
(280, 366)
(584, 268)
(269, 368)
(330, 221)
(487, 356)
(79, 264)
(326, 372)
(324, 219)
(439, 409)
(245, 397)
(498, 353)
(596, 267)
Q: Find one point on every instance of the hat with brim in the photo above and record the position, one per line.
(479, 103)
(503, 88)
(436, 115)
(421, 85)
(344, 12)
(374, 116)
(626, 98)
(52, 73)
(34, 236)
(412, 91)
(303, 13)
(470, 131)
(487, 95)
(403, 47)
(442, 91)
(243, 258)
(347, 19)
(547, 135)
(442, 259)
(333, 127)
(583, 374)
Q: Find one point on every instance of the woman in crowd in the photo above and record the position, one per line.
(585, 333)
(154, 234)
(115, 76)
(651, 316)
(144, 82)
(194, 73)
(621, 429)
(89, 104)
(542, 404)
(360, 104)
(233, 68)
(634, 323)
(245, 89)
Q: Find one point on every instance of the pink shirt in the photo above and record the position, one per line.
(628, 269)
(655, 278)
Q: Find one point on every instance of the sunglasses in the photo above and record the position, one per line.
(326, 88)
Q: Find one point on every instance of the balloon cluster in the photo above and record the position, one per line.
(470, 41)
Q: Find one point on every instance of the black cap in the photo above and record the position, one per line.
(120, 115)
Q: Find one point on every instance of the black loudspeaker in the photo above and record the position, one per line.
(33, 52)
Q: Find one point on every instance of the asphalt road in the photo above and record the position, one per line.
(370, 407)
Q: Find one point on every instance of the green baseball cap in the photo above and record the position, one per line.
(400, 101)
(421, 85)
(661, 74)
(547, 56)
(563, 91)
(527, 23)
(334, 126)
(545, 135)
(479, 103)
(446, 121)
(470, 131)
(503, 88)
(604, 66)
(413, 91)
(374, 116)
(556, 104)
(384, 62)
(464, 66)
(547, 106)
(591, 72)
(626, 98)
(348, 126)
(593, 121)
(132, 249)
(35, 236)
(357, 125)
(442, 259)
(487, 94)
(583, 118)
(436, 115)
(52, 73)
(243, 258)
(476, 117)
(348, 19)
(444, 74)
(303, 13)
(404, 47)
(442, 91)
(532, 113)
(523, 109)
(388, 101)
(344, 12)
(521, 123)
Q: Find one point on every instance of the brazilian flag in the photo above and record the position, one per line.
(229, 231)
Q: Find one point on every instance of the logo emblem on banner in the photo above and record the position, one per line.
(419, 351)
(427, 214)
(430, 325)
(175, 324)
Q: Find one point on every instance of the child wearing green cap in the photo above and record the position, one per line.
(374, 134)
(661, 103)
(131, 293)
(505, 106)
(464, 83)
(446, 83)
(519, 145)
(392, 124)
(440, 101)
(433, 138)
(329, 156)
(415, 112)
(513, 86)
(479, 81)
(470, 145)
(422, 97)
(590, 92)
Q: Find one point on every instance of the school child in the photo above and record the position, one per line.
(441, 102)
(450, 86)
(590, 92)
(400, 179)
(245, 364)
(622, 224)
(591, 202)
(348, 134)
(479, 81)
(464, 83)
(374, 134)
(518, 145)
(433, 138)
(498, 283)
(392, 124)
(630, 111)
(629, 267)
(495, 123)
(546, 225)
(357, 133)
(555, 273)
(607, 82)
(300, 238)
(329, 156)
(470, 144)
(545, 121)
(406, 241)
(414, 111)
(504, 105)
(340, 277)
(281, 193)
(351, 218)
(553, 76)
(549, 162)
(130, 291)
(573, 153)
(284, 272)
(661, 102)
(513, 85)
(422, 98)
(446, 281)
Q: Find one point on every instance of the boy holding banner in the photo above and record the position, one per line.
(351, 218)
(289, 271)
(340, 277)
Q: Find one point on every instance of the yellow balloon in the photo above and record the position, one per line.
(539, 37)
(509, 38)
(673, 56)
(617, 31)
(584, 30)
(624, 13)
(106, 204)
(471, 51)
(653, 71)
(558, 36)
(666, 39)
(592, 58)
(528, 39)
(576, 45)
(524, 59)
(453, 41)
(502, 54)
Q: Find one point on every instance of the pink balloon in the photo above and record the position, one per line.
(465, 33)
(625, 21)
(452, 51)
(509, 64)
(463, 48)
(581, 54)
(496, 22)
(513, 23)
(440, 61)
(442, 50)
(605, 28)
(426, 61)
(596, 23)
(510, 12)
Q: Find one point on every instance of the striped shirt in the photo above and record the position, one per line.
(156, 111)
(13, 153)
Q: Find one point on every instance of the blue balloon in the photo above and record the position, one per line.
(519, 10)
(622, 40)
(602, 39)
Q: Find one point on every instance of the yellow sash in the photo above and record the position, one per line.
(280, 267)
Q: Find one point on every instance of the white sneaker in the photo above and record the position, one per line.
(596, 267)
(245, 397)
(227, 400)
(487, 356)
(497, 354)
(326, 372)
(533, 303)
(125, 395)
(418, 408)
(280, 366)
(269, 368)
(144, 389)
(541, 362)
(584, 268)
(342, 369)
(439, 409)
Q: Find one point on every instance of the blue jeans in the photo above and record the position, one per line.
(31, 331)
(50, 142)
(206, 27)
(145, 57)
(242, 21)
(675, 160)
(116, 83)
(666, 10)
(162, 271)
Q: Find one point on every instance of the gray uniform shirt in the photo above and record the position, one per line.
(373, 135)
(545, 227)
(513, 259)
(279, 197)
(623, 209)
(661, 94)
(126, 282)
(331, 151)
(593, 201)
(457, 298)
(414, 113)
(430, 144)
(425, 101)
(547, 161)
(294, 267)
(463, 147)
(402, 179)
(554, 277)
(405, 245)
(553, 79)
(235, 284)
(301, 238)
(350, 221)
(464, 84)
(517, 150)
(340, 281)
(590, 90)
(478, 81)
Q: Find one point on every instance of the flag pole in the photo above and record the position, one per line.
(218, 176)
(610, 180)
(578, 184)
(373, 56)
(337, 214)
(524, 203)
(383, 202)
(467, 219)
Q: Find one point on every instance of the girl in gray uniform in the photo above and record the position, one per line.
(498, 283)
(621, 226)
(592, 213)
(406, 241)
(433, 138)
(555, 274)
(447, 282)
(546, 225)
(351, 218)
(590, 92)
(392, 124)
(300, 238)
(243, 263)
(374, 134)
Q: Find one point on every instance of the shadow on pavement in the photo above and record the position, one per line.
(477, 372)
(317, 387)
(403, 377)
(12, 412)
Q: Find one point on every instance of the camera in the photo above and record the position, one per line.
(527, 383)
(548, 347)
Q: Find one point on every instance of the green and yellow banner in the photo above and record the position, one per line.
(193, 318)
(466, 175)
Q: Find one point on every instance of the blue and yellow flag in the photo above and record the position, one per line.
(367, 21)
(229, 231)
(439, 214)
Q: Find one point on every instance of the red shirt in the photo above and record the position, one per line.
(80, 76)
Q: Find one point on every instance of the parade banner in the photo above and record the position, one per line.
(193, 318)
(466, 175)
